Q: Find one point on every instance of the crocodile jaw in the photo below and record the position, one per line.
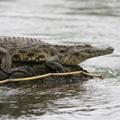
(77, 56)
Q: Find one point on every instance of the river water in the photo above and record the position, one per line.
(66, 21)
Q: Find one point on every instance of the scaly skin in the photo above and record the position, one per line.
(24, 49)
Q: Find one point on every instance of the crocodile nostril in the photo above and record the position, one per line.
(110, 49)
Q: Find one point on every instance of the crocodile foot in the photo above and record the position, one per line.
(55, 66)
(72, 68)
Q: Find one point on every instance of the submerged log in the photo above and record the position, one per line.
(44, 74)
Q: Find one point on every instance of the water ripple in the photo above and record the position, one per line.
(66, 22)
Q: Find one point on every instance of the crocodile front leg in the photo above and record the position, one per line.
(54, 64)
(5, 60)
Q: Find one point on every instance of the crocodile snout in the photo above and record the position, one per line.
(105, 48)
(110, 49)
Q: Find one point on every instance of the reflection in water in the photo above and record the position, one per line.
(35, 100)
(65, 21)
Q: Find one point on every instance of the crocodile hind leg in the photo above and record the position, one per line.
(5, 60)
(22, 71)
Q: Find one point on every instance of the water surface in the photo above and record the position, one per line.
(65, 21)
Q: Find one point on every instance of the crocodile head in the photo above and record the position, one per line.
(77, 54)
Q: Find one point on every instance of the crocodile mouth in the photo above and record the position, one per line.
(75, 57)
(100, 52)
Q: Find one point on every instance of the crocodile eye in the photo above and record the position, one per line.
(87, 45)
(62, 51)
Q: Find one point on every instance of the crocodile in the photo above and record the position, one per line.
(27, 49)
